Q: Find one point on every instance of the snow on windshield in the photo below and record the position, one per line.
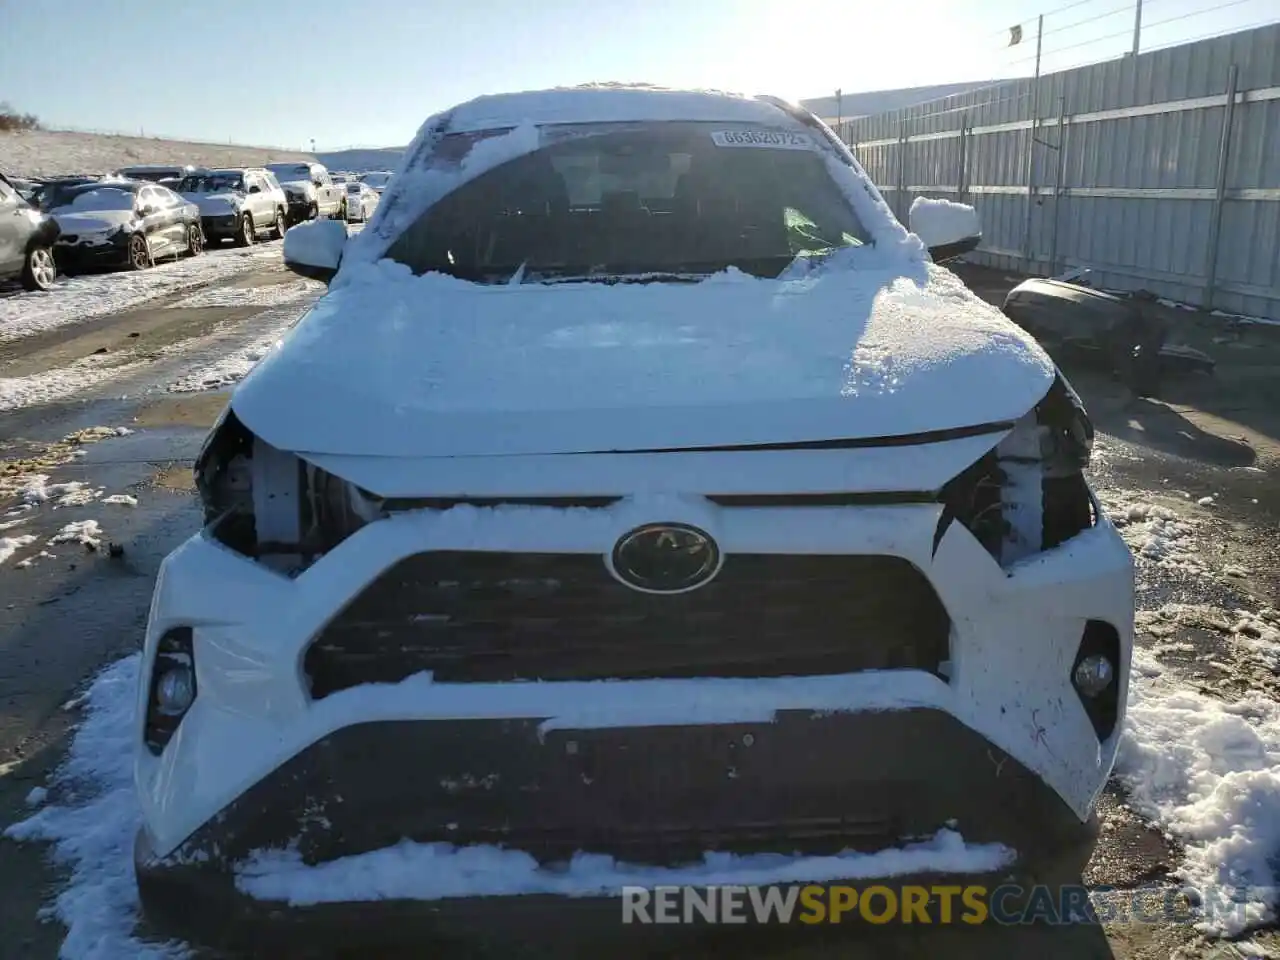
(104, 198)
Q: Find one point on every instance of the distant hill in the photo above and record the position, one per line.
(361, 161)
(854, 105)
(46, 153)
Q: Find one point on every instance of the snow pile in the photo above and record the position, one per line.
(866, 348)
(1208, 773)
(74, 493)
(1156, 534)
(437, 871)
(11, 545)
(232, 367)
(937, 222)
(85, 532)
(92, 821)
(123, 499)
(1260, 633)
(81, 298)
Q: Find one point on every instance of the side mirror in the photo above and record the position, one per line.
(313, 249)
(317, 183)
(146, 210)
(255, 189)
(947, 229)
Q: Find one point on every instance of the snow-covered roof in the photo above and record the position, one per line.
(604, 103)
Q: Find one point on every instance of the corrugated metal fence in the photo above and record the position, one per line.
(1160, 171)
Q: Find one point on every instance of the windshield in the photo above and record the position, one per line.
(290, 171)
(154, 175)
(670, 198)
(354, 187)
(211, 183)
(98, 198)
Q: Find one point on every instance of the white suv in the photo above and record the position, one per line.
(237, 204)
(643, 489)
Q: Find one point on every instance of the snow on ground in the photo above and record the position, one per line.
(1208, 772)
(86, 532)
(1156, 534)
(38, 490)
(11, 545)
(90, 819)
(270, 295)
(123, 499)
(437, 871)
(81, 298)
(233, 367)
(46, 153)
(50, 385)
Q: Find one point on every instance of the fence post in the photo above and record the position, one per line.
(902, 171)
(1059, 176)
(963, 159)
(1220, 188)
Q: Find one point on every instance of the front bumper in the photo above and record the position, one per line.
(109, 251)
(220, 226)
(650, 770)
(299, 208)
(890, 775)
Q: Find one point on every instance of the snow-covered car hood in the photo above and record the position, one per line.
(297, 186)
(215, 203)
(390, 365)
(92, 221)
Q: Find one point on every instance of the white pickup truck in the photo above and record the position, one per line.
(310, 190)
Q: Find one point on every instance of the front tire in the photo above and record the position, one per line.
(38, 269)
(195, 240)
(281, 225)
(139, 252)
(342, 212)
(313, 212)
(245, 232)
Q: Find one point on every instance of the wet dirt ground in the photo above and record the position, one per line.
(70, 613)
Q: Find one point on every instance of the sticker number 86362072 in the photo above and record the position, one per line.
(771, 139)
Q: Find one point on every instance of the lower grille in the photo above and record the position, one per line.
(497, 617)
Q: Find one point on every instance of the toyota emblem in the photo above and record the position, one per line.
(666, 558)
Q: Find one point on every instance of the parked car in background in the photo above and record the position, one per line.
(362, 200)
(127, 223)
(26, 240)
(156, 172)
(377, 179)
(310, 190)
(53, 191)
(26, 188)
(237, 203)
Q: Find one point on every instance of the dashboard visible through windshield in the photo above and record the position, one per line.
(658, 198)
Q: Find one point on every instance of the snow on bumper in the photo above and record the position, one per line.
(1014, 638)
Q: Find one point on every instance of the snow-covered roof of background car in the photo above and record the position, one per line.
(601, 103)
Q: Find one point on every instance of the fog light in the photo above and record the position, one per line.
(175, 690)
(1094, 674)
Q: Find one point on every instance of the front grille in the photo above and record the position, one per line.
(496, 617)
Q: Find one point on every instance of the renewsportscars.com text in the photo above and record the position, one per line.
(936, 904)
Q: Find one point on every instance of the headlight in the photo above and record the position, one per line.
(1029, 493)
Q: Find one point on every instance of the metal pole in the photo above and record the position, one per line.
(1137, 26)
(902, 171)
(963, 159)
(839, 110)
(1220, 188)
(1031, 149)
(1057, 183)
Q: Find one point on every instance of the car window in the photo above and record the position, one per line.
(147, 197)
(272, 182)
(167, 197)
(686, 198)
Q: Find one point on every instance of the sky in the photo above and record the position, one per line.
(342, 73)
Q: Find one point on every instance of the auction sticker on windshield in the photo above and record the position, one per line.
(774, 139)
